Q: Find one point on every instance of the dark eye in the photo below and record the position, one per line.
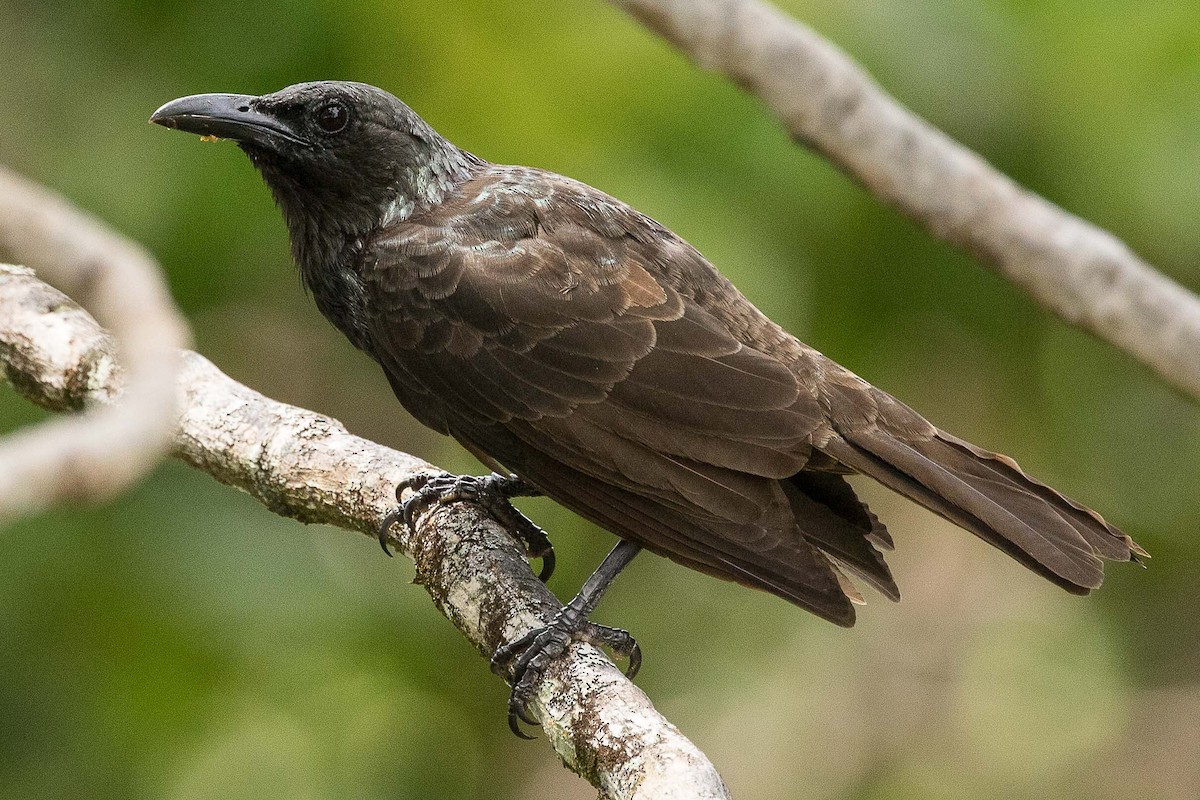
(332, 117)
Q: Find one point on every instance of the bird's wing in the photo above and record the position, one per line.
(544, 299)
(537, 319)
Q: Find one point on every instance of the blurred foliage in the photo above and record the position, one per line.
(185, 643)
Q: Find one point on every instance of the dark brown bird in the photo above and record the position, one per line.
(558, 333)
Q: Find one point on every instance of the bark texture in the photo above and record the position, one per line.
(96, 455)
(303, 465)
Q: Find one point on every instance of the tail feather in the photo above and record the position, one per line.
(830, 516)
(1108, 541)
(989, 495)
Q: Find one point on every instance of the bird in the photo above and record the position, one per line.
(585, 352)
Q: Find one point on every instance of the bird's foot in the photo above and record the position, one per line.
(490, 492)
(532, 653)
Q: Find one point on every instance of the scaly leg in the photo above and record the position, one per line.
(533, 652)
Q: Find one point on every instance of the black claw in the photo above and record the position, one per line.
(547, 566)
(386, 526)
(518, 705)
(405, 511)
(515, 727)
(635, 662)
(526, 717)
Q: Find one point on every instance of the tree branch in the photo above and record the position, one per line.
(1082, 273)
(302, 465)
(96, 455)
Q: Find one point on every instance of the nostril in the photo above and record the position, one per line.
(243, 108)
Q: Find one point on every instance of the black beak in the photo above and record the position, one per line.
(226, 116)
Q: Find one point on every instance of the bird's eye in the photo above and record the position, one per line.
(332, 117)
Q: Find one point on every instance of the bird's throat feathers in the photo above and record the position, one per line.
(332, 205)
(326, 217)
(329, 214)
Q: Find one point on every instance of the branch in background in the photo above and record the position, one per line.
(96, 455)
(302, 465)
(1082, 273)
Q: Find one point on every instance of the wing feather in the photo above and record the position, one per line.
(559, 332)
(564, 341)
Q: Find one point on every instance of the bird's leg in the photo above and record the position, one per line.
(533, 652)
(490, 492)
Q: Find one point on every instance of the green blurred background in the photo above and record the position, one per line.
(185, 643)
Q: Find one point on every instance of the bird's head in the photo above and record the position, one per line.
(341, 158)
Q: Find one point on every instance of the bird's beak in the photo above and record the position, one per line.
(226, 116)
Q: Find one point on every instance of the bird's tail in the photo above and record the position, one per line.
(989, 495)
